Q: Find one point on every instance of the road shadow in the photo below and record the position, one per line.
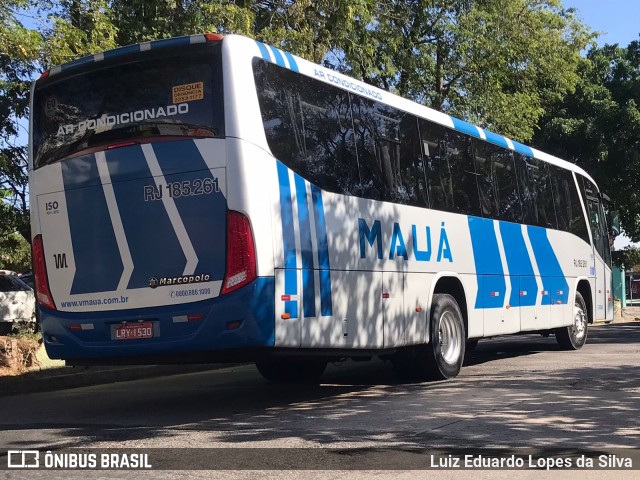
(360, 404)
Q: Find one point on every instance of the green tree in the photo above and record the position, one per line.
(19, 53)
(598, 127)
(629, 257)
(496, 63)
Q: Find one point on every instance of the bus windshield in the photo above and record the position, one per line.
(135, 99)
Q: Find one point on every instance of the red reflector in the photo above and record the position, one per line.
(213, 37)
(75, 327)
(195, 317)
(43, 294)
(234, 325)
(418, 309)
(44, 74)
(285, 298)
(241, 253)
(385, 295)
(118, 145)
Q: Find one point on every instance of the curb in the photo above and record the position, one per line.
(74, 377)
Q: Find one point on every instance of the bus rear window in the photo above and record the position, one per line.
(175, 93)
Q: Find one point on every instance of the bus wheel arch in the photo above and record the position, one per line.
(574, 336)
(453, 286)
(584, 289)
(447, 325)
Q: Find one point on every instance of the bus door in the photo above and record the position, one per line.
(601, 251)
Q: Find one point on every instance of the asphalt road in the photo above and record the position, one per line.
(512, 392)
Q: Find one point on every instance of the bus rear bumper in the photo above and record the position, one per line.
(225, 328)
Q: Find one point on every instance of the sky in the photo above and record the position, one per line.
(619, 22)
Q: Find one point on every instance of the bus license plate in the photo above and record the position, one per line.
(129, 331)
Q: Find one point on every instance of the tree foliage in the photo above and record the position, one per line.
(503, 64)
(598, 127)
(629, 257)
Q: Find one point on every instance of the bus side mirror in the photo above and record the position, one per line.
(614, 223)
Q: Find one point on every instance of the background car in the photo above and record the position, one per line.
(17, 302)
(28, 279)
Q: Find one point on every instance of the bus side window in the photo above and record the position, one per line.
(485, 166)
(436, 165)
(506, 186)
(276, 93)
(546, 207)
(412, 183)
(596, 220)
(328, 138)
(577, 224)
(463, 174)
(561, 198)
(378, 147)
(526, 173)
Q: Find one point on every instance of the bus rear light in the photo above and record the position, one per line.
(213, 37)
(241, 253)
(40, 272)
(285, 316)
(195, 317)
(234, 325)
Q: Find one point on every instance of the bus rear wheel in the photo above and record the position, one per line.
(290, 369)
(442, 357)
(444, 354)
(574, 336)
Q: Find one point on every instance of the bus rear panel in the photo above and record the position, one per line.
(137, 252)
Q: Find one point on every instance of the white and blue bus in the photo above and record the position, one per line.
(211, 198)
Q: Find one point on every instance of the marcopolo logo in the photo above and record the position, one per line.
(182, 280)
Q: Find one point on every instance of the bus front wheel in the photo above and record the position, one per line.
(445, 352)
(290, 369)
(574, 336)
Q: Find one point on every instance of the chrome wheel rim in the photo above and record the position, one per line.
(579, 327)
(449, 337)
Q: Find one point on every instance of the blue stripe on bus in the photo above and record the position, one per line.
(95, 249)
(129, 49)
(495, 138)
(486, 255)
(306, 249)
(550, 270)
(264, 51)
(77, 63)
(152, 240)
(519, 265)
(170, 42)
(292, 62)
(326, 302)
(523, 149)
(288, 239)
(465, 127)
(277, 55)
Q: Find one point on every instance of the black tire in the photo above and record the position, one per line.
(574, 336)
(290, 369)
(439, 359)
(445, 352)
